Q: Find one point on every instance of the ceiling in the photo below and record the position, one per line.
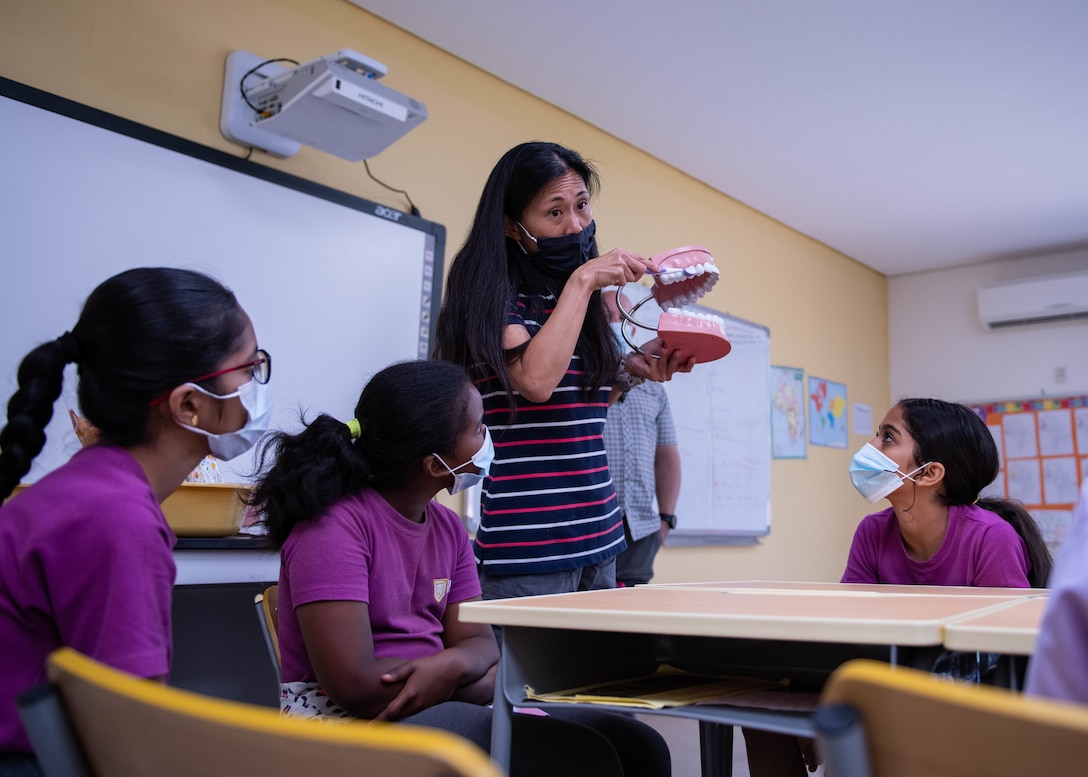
(908, 135)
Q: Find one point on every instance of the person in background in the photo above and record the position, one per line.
(522, 313)
(644, 462)
(1059, 665)
(169, 371)
(373, 573)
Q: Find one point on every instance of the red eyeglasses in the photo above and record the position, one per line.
(260, 368)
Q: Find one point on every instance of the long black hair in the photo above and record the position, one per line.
(141, 332)
(958, 438)
(490, 269)
(406, 412)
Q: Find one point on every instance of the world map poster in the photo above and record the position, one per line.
(787, 412)
(827, 421)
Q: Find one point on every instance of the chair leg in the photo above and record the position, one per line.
(841, 737)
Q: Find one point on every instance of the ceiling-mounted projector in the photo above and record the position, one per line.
(333, 103)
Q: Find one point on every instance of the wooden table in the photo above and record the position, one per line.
(770, 586)
(762, 628)
(1011, 629)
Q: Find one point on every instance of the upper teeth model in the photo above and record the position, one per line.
(683, 276)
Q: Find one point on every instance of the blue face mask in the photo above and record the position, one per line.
(875, 475)
(618, 328)
(560, 256)
(481, 459)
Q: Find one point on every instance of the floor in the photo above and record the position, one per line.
(682, 734)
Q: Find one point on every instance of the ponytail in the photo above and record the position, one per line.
(313, 470)
(406, 412)
(40, 376)
(1020, 519)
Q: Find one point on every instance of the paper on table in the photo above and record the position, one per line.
(667, 687)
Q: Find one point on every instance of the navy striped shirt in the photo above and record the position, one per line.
(549, 503)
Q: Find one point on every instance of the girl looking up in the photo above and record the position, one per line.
(931, 460)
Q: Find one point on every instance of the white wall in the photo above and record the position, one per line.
(938, 347)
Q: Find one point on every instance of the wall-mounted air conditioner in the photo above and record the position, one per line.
(1034, 300)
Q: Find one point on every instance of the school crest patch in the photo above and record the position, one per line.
(441, 588)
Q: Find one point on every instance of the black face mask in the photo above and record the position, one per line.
(560, 256)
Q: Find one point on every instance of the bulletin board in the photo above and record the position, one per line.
(1043, 444)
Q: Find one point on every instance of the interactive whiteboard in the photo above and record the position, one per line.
(337, 286)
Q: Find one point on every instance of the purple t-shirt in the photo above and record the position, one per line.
(363, 550)
(980, 549)
(86, 562)
(1059, 665)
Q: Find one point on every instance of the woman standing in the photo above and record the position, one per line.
(522, 312)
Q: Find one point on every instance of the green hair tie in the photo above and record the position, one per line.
(355, 428)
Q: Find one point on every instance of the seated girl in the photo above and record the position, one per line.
(169, 372)
(931, 460)
(373, 573)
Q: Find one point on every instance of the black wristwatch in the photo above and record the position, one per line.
(669, 518)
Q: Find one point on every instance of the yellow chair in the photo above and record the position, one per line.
(881, 721)
(268, 610)
(96, 721)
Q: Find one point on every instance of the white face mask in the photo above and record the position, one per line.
(481, 459)
(875, 476)
(258, 405)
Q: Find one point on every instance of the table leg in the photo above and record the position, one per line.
(716, 749)
(501, 721)
(1009, 672)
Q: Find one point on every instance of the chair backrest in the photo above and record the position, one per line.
(130, 727)
(268, 604)
(909, 723)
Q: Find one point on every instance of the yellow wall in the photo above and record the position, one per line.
(160, 62)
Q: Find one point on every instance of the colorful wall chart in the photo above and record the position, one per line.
(827, 421)
(1043, 445)
(787, 412)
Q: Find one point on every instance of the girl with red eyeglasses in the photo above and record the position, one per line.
(169, 372)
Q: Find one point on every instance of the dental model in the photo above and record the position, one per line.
(701, 335)
(683, 276)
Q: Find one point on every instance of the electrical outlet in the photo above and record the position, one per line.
(1059, 374)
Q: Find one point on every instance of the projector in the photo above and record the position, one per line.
(333, 103)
